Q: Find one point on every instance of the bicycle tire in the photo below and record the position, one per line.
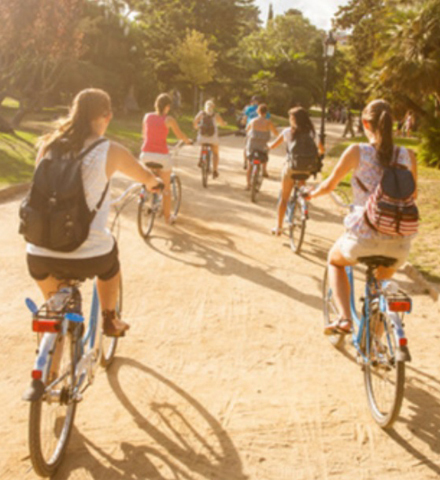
(375, 369)
(297, 227)
(330, 311)
(47, 460)
(176, 194)
(205, 169)
(110, 344)
(255, 182)
(146, 216)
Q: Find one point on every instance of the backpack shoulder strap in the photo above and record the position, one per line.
(363, 187)
(395, 157)
(91, 147)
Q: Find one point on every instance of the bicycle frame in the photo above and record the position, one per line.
(296, 196)
(374, 291)
(89, 356)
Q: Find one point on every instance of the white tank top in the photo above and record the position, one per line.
(100, 241)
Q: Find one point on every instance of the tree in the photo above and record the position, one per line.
(270, 13)
(195, 60)
(38, 40)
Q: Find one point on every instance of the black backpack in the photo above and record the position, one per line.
(303, 154)
(207, 127)
(55, 214)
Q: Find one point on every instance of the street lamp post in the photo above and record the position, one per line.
(329, 51)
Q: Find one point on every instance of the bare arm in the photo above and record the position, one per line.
(273, 128)
(119, 159)
(348, 161)
(196, 120)
(220, 120)
(171, 123)
(278, 141)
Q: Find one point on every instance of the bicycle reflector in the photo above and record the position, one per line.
(46, 326)
(399, 305)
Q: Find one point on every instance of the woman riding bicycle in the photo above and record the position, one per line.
(155, 129)
(367, 162)
(258, 134)
(97, 256)
(300, 124)
(206, 123)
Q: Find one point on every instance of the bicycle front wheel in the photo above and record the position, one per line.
(384, 374)
(176, 194)
(255, 182)
(330, 311)
(146, 215)
(109, 344)
(51, 417)
(297, 227)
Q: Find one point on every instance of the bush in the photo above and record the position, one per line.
(429, 151)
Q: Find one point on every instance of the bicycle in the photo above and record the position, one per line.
(256, 159)
(67, 359)
(205, 162)
(378, 337)
(297, 213)
(150, 204)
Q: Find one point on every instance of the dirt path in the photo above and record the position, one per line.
(225, 374)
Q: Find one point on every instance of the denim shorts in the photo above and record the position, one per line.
(353, 247)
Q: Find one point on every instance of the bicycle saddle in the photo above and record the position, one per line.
(154, 165)
(377, 261)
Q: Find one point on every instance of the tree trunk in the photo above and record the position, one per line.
(5, 126)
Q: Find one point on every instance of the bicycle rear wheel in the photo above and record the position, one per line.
(146, 215)
(330, 311)
(51, 417)
(297, 227)
(384, 374)
(109, 344)
(255, 182)
(176, 194)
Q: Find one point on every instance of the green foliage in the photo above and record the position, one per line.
(194, 59)
(429, 151)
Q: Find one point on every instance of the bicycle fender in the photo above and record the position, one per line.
(403, 355)
(46, 346)
(34, 392)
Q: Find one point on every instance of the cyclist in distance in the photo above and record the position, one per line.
(367, 162)
(206, 122)
(300, 123)
(87, 122)
(155, 128)
(258, 134)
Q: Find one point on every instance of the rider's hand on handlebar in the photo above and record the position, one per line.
(306, 193)
(189, 141)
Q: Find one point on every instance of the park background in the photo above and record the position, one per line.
(228, 50)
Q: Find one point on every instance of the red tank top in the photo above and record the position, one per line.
(155, 134)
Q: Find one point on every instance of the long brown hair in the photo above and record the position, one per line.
(72, 131)
(303, 124)
(162, 101)
(378, 114)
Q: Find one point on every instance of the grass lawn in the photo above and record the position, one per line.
(425, 251)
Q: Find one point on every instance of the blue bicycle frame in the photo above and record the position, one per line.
(374, 292)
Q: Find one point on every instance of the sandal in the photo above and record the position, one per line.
(277, 231)
(113, 326)
(342, 326)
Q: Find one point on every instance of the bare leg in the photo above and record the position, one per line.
(338, 281)
(216, 158)
(286, 189)
(248, 174)
(165, 175)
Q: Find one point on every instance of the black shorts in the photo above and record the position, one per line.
(104, 267)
